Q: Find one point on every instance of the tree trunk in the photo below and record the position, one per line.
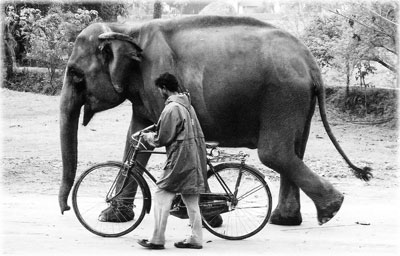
(157, 10)
(8, 63)
(348, 74)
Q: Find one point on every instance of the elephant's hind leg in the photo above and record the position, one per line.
(280, 147)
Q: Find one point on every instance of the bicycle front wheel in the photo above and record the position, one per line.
(249, 207)
(91, 196)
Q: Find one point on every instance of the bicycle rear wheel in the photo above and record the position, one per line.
(244, 215)
(92, 191)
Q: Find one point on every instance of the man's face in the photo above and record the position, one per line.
(163, 92)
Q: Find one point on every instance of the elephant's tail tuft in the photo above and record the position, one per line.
(363, 174)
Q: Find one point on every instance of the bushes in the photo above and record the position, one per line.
(36, 82)
(371, 105)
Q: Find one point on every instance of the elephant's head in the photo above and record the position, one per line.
(97, 77)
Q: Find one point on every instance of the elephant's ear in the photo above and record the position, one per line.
(119, 50)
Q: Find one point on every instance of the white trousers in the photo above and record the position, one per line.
(162, 205)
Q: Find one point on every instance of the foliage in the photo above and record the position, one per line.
(353, 37)
(18, 18)
(332, 44)
(321, 36)
(49, 39)
(364, 68)
(107, 10)
(374, 24)
(374, 105)
(17, 28)
(35, 82)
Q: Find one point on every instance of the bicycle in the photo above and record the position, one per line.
(238, 205)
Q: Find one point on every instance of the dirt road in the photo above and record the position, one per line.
(32, 224)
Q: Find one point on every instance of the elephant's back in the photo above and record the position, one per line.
(199, 22)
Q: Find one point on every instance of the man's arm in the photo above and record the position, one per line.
(169, 126)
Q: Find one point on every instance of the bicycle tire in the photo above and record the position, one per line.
(89, 199)
(253, 209)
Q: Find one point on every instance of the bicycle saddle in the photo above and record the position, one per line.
(211, 144)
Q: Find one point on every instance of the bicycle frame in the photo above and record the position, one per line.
(222, 182)
(130, 162)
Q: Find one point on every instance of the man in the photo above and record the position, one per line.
(178, 129)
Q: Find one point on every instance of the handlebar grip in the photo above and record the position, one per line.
(151, 127)
(148, 128)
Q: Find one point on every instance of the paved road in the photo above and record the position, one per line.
(366, 225)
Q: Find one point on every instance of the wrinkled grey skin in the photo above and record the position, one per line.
(251, 84)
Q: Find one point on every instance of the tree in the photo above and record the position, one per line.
(332, 44)
(17, 29)
(9, 43)
(364, 68)
(158, 8)
(51, 37)
(107, 10)
(344, 40)
(374, 24)
(321, 36)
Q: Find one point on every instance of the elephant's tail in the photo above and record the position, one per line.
(365, 173)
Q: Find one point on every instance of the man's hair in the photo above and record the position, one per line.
(167, 81)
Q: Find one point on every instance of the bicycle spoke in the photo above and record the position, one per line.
(252, 207)
(250, 192)
(249, 211)
(86, 210)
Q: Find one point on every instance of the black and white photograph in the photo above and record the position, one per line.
(199, 127)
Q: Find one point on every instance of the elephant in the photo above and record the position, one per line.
(252, 85)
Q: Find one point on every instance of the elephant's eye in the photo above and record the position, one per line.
(77, 77)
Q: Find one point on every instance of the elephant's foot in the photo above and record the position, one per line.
(326, 213)
(214, 221)
(120, 213)
(278, 218)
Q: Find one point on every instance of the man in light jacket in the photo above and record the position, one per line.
(179, 130)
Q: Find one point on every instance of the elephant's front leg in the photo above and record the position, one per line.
(287, 212)
(121, 209)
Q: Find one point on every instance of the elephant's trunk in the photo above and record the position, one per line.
(70, 106)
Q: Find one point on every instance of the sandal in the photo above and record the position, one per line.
(186, 245)
(145, 243)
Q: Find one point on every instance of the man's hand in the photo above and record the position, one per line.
(149, 138)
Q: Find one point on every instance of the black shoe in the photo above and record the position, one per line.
(185, 245)
(117, 212)
(145, 243)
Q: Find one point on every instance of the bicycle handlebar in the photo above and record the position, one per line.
(138, 133)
